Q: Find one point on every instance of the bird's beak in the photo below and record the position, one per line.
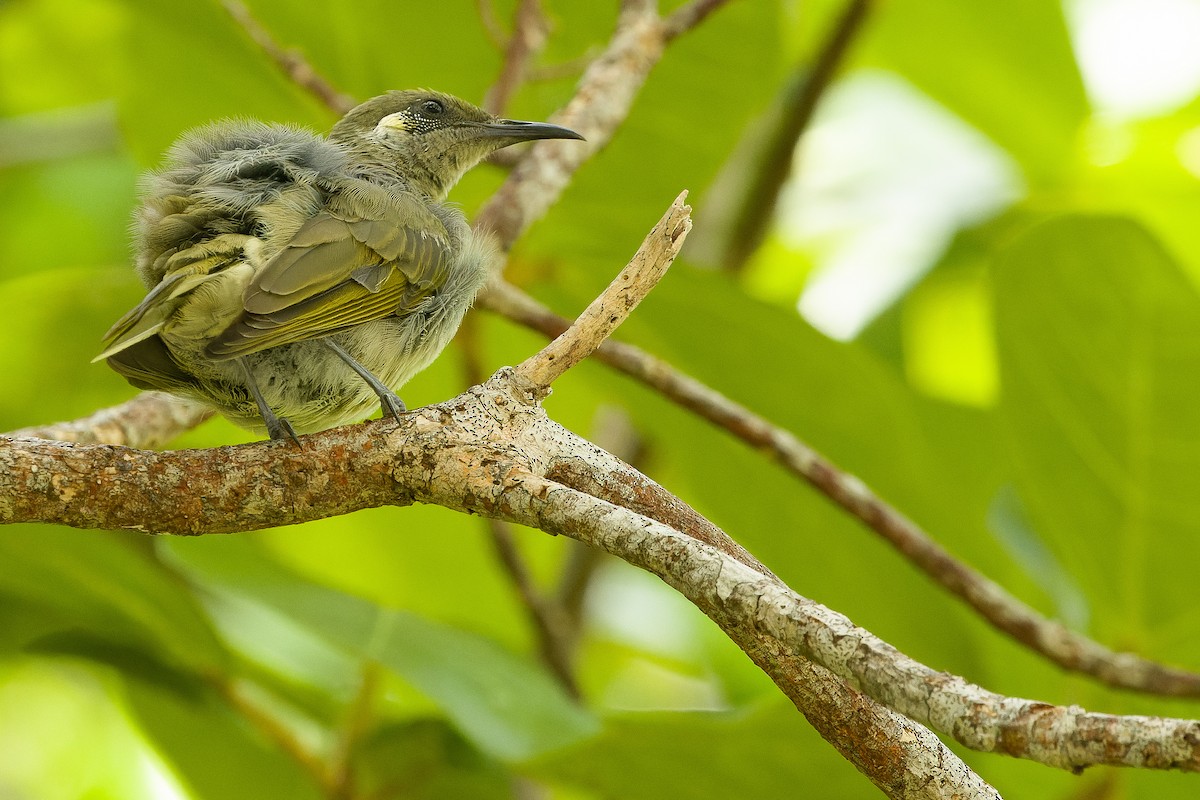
(525, 131)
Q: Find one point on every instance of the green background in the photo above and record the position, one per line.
(1068, 321)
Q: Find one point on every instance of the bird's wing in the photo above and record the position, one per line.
(183, 272)
(351, 263)
(148, 364)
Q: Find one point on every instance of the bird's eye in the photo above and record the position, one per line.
(432, 108)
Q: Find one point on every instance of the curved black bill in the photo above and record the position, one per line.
(527, 131)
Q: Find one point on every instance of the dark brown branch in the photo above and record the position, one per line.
(686, 17)
(550, 623)
(1048, 638)
(294, 65)
(530, 29)
(773, 150)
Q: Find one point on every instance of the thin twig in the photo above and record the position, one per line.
(760, 182)
(148, 421)
(686, 17)
(530, 29)
(235, 696)
(351, 731)
(1067, 648)
(294, 65)
(549, 621)
(602, 316)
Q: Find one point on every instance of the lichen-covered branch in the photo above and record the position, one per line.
(602, 316)
(148, 421)
(601, 103)
(740, 599)
(293, 65)
(1065, 647)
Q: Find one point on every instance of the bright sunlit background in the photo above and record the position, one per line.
(886, 176)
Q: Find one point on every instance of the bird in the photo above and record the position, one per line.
(295, 281)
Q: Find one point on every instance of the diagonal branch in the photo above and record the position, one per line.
(744, 602)
(530, 30)
(601, 103)
(762, 165)
(294, 65)
(150, 420)
(606, 312)
(1051, 639)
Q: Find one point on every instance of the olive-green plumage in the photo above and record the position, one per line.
(295, 282)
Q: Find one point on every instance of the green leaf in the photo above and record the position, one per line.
(1020, 86)
(431, 761)
(1099, 341)
(768, 752)
(189, 64)
(506, 706)
(101, 583)
(214, 752)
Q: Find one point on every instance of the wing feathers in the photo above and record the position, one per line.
(342, 268)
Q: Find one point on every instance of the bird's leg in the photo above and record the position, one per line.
(277, 427)
(392, 404)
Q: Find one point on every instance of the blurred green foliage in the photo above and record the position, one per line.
(1030, 402)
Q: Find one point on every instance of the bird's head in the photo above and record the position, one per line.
(432, 138)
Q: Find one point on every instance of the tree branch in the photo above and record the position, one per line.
(606, 312)
(294, 65)
(1051, 639)
(481, 453)
(530, 29)
(742, 600)
(148, 421)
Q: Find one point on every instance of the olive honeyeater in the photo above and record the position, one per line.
(295, 281)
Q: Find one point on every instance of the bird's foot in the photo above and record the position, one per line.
(279, 428)
(392, 405)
